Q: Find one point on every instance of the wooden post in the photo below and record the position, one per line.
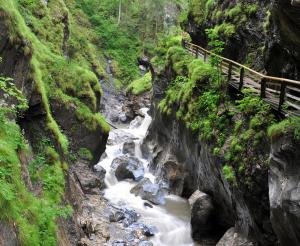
(229, 71)
(205, 55)
(196, 52)
(242, 73)
(263, 87)
(282, 96)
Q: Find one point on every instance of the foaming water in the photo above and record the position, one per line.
(171, 219)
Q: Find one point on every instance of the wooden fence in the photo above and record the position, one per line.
(282, 94)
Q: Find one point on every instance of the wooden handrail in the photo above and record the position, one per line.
(286, 81)
(288, 90)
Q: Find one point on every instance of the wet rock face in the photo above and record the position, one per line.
(149, 191)
(173, 176)
(284, 189)
(90, 182)
(233, 238)
(128, 167)
(283, 46)
(79, 135)
(201, 210)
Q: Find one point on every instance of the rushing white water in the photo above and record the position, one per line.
(172, 219)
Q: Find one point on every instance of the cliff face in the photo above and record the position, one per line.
(261, 34)
(190, 165)
(51, 102)
(283, 42)
(284, 177)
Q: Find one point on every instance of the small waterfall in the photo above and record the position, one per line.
(171, 219)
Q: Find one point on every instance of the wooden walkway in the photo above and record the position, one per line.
(282, 94)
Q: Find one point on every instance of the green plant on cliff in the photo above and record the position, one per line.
(34, 216)
(196, 97)
(141, 85)
(290, 125)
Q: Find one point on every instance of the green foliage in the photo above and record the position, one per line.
(141, 85)
(10, 91)
(34, 216)
(85, 154)
(216, 45)
(289, 125)
(229, 173)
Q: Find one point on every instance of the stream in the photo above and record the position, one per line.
(170, 220)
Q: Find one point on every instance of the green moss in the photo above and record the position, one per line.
(229, 173)
(235, 11)
(226, 29)
(290, 125)
(85, 154)
(34, 216)
(141, 85)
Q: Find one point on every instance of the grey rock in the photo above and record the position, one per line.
(139, 229)
(128, 167)
(90, 182)
(201, 210)
(116, 216)
(145, 243)
(149, 191)
(119, 243)
(284, 189)
(233, 238)
(129, 148)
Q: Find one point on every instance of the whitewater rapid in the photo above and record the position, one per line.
(171, 219)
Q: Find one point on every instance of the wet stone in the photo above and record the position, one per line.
(128, 167)
(119, 243)
(140, 229)
(129, 148)
(145, 243)
(116, 216)
(149, 191)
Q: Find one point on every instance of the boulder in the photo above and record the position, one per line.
(145, 243)
(119, 136)
(90, 182)
(116, 216)
(284, 189)
(149, 191)
(201, 211)
(119, 243)
(129, 148)
(173, 176)
(140, 229)
(128, 167)
(233, 238)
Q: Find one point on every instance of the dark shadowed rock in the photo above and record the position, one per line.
(116, 216)
(233, 238)
(128, 167)
(129, 148)
(119, 243)
(173, 176)
(149, 191)
(201, 210)
(284, 189)
(90, 182)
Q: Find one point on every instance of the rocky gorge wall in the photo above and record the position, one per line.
(260, 34)
(58, 126)
(187, 164)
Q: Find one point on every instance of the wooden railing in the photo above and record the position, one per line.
(282, 94)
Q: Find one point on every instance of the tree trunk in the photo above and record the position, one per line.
(120, 11)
